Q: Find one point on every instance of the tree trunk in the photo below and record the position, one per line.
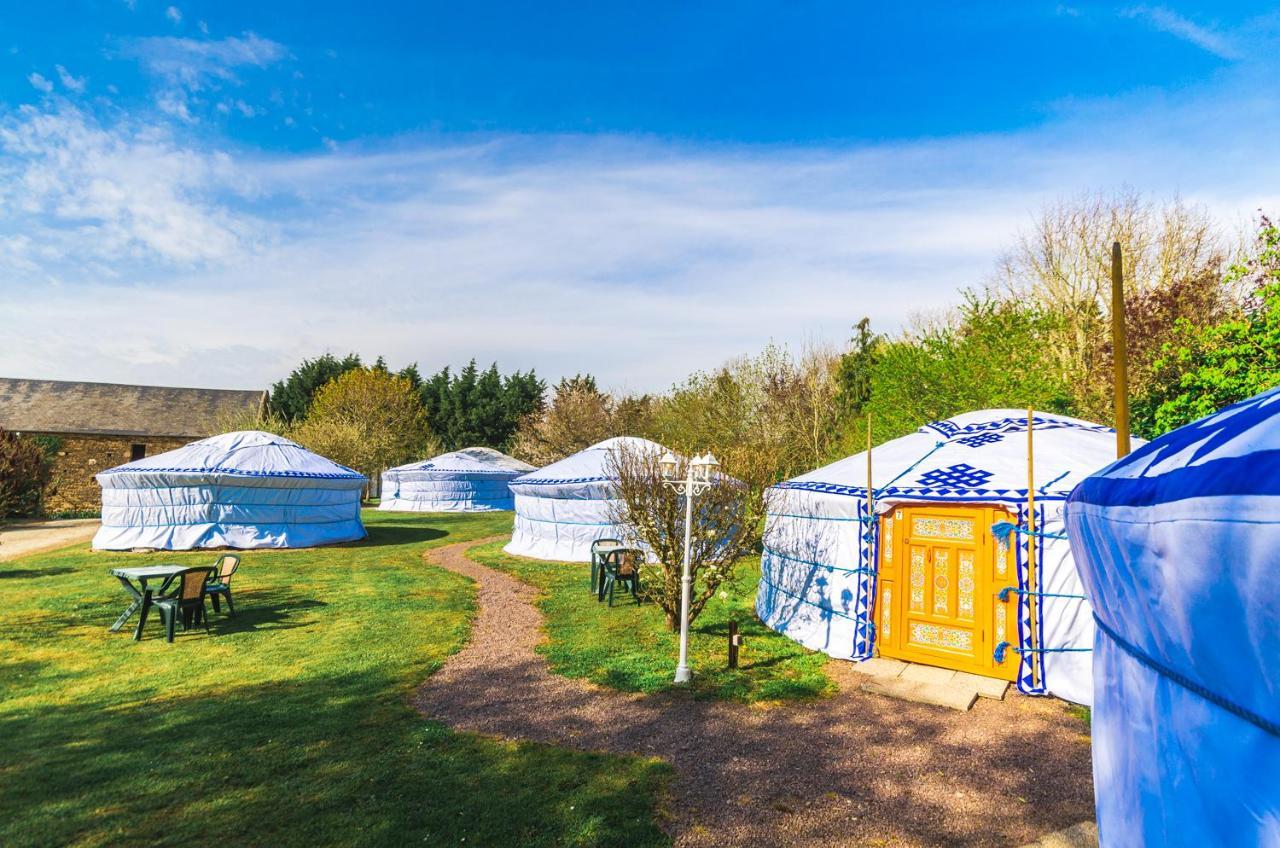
(673, 622)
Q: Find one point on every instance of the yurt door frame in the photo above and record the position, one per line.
(938, 584)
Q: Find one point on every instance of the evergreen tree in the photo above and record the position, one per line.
(291, 397)
(473, 408)
(485, 415)
(435, 398)
(853, 377)
(410, 373)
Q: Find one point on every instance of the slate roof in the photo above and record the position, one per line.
(111, 409)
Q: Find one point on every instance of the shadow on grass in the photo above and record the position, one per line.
(325, 760)
(401, 534)
(26, 573)
(249, 618)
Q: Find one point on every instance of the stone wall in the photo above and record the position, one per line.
(77, 458)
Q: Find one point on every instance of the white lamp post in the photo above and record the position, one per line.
(696, 480)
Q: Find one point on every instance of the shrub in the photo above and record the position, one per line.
(1216, 364)
(24, 472)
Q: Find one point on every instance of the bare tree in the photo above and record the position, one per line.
(726, 518)
(1063, 265)
(766, 416)
(578, 416)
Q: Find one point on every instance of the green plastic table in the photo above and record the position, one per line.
(134, 580)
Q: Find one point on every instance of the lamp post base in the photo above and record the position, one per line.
(683, 675)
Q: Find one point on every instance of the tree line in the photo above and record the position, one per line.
(1203, 318)
(371, 418)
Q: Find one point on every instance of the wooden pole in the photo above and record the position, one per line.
(1031, 543)
(1120, 351)
(871, 499)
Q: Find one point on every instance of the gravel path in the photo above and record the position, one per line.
(19, 540)
(853, 769)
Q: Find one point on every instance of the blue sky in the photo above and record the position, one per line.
(202, 193)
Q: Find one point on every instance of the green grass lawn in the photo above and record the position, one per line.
(290, 725)
(628, 647)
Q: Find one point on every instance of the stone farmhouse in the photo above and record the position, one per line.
(89, 427)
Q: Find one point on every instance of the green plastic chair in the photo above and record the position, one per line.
(187, 601)
(620, 565)
(220, 581)
(597, 575)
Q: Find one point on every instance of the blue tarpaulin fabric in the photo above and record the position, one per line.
(469, 480)
(1178, 545)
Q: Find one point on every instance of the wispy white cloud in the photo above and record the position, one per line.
(1169, 21)
(69, 82)
(637, 260)
(82, 201)
(186, 67)
(39, 83)
(174, 14)
(195, 62)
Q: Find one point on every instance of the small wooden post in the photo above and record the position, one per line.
(1120, 352)
(734, 641)
(1031, 542)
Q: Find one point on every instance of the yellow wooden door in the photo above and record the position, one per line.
(940, 575)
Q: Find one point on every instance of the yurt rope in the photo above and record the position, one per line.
(1005, 646)
(911, 467)
(1187, 683)
(1003, 595)
(1002, 529)
(1054, 480)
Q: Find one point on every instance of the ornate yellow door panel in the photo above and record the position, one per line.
(940, 573)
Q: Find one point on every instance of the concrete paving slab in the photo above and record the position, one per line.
(940, 695)
(988, 687)
(880, 667)
(928, 674)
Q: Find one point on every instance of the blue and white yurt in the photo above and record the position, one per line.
(562, 508)
(468, 480)
(1179, 548)
(239, 490)
(928, 580)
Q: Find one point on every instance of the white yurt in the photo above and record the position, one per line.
(1179, 546)
(239, 490)
(928, 580)
(562, 508)
(468, 480)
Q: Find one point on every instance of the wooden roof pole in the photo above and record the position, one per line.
(1120, 352)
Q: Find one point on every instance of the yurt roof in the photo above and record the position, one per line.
(245, 453)
(1232, 453)
(470, 461)
(976, 455)
(589, 465)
